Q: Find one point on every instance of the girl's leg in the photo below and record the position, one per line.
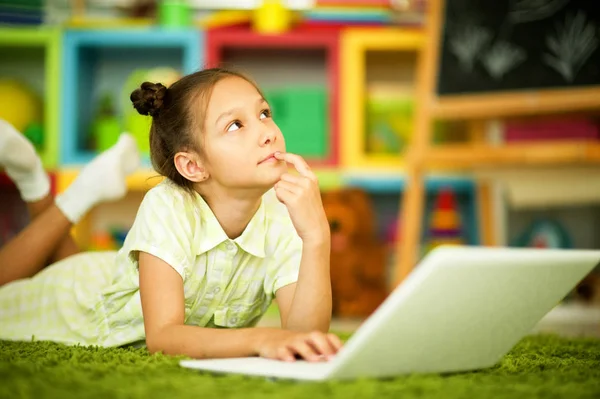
(67, 246)
(28, 252)
(101, 180)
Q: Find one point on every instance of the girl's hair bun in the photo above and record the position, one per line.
(148, 98)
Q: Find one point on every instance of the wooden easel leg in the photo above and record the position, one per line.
(411, 220)
(484, 196)
(486, 214)
(412, 207)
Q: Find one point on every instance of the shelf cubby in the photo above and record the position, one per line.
(378, 72)
(98, 63)
(31, 57)
(298, 72)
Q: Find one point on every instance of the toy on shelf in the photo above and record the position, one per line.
(106, 128)
(350, 12)
(358, 257)
(391, 239)
(112, 14)
(551, 129)
(174, 13)
(19, 104)
(445, 225)
(102, 241)
(544, 233)
(272, 17)
(301, 114)
(19, 12)
(110, 240)
(389, 119)
(225, 18)
(22, 107)
(35, 133)
(391, 232)
(548, 233)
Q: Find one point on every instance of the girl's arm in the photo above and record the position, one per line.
(306, 305)
(162, 297)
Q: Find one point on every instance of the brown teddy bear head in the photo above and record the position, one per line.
(350, 215)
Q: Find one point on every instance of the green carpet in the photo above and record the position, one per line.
(538, 367)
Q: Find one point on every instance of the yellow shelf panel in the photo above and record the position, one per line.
(141, 180)
(379, 161)
(145, 179)
(384, 38)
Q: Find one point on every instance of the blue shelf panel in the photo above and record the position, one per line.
(97, 63)
(84, 157)
(190, 40)
(396, 184)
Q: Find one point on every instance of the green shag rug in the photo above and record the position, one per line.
(538, 367)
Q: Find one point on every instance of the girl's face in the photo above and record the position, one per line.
(240, 137)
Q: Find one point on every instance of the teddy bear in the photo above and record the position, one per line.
(358, 258)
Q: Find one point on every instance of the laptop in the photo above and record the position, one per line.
(462, 308)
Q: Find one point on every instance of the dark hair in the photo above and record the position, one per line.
(177, 116)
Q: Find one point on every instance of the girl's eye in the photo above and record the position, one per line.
(265, 113)
(234, 126)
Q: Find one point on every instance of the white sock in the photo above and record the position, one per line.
(103, 179)
(22, 164)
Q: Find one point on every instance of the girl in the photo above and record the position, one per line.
(228, 231)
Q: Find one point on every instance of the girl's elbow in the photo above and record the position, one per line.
(157, 342)
(154, 344)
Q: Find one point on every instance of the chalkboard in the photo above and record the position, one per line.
(514, 45)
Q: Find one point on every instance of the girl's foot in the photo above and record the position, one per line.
(103, 179)
(22, 164)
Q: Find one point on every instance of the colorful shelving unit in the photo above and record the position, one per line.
(32, 55)
(312, 134)
(366, 57)
(97, 62)
(342, 63)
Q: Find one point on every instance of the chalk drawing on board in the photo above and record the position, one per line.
(518, 45)
(573, 43)
(522, 11)
(467, 43)
(501, 58)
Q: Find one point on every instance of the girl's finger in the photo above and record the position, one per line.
(305, 350)
(299, 181)
(335, 341)
(284, 196)
(321, 343)
(291, 178)
(286, 185)
(298, 162)
(285, 354)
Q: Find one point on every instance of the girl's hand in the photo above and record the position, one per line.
(302, 197)
(310, 346)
